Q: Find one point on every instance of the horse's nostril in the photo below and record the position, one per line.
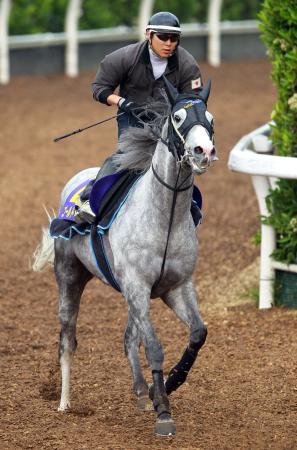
(213, 152)
(198, 150)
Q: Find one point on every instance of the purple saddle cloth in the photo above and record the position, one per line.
(100, 188)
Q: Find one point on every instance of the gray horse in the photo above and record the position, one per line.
(151, 246)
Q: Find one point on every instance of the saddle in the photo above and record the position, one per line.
(107, 197)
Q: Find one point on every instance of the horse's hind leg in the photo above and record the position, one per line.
(132, 342)
(183, 302)
(71, 278)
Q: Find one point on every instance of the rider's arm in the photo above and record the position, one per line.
(111, 72)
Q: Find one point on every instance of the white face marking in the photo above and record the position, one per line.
(199, 137)
(179, 117)
(199, 149)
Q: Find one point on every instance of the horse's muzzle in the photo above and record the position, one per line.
(201, 160)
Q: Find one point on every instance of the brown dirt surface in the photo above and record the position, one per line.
(241, 393)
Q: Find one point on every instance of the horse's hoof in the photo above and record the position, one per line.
(64, 407)
(165, 427)
(144, 403)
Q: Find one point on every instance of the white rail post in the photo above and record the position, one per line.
(145, 12)
(267, 274)
(5, 6)
(214, 35)
(71, 32)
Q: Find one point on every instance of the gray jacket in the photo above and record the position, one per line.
(130, 69)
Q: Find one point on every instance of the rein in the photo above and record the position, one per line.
(176, 189)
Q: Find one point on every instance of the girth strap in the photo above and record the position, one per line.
(101, 259)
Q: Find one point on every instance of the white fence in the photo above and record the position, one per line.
(252, 155)
(72, 37)
(5, 6)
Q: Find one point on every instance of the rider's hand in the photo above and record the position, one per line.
(127, 105)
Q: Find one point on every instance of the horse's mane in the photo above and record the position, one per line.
(137, 145)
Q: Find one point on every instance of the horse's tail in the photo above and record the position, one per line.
(44, 253)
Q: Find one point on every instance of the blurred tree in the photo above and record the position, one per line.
(39, 16)
(108, 13)
(185, 10)
(191, 10)
(239, 10)
(35, 16)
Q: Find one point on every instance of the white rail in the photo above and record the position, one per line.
(243, 158)
(71, 33)
(214, 38)
(145, 12)
(5, 6)
(248, 156)
(123, 32)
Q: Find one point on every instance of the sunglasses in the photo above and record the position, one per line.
(166, 36)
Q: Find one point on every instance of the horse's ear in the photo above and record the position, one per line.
(204, 94)
(171, 91)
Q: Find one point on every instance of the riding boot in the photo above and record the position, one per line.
(107, 168)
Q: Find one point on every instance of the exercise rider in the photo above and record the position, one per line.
(137, 69)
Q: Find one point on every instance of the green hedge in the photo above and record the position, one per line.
(279, 27)
(39, 16)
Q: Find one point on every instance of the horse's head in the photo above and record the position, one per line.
(192, 128)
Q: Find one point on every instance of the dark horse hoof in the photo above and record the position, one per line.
(165, 426)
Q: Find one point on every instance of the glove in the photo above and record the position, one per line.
(127, 105)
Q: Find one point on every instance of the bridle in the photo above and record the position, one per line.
(176, 136)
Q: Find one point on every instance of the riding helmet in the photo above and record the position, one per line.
(165, 22)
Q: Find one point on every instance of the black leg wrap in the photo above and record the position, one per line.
(201, 336)
(177, 376)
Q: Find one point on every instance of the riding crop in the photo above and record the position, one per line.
(86, 128)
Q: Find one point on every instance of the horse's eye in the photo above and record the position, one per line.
(179, 117)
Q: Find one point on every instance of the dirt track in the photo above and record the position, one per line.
(240, 394)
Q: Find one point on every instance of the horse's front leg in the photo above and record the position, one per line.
(138, 304)
(71, 278)
(183, 302)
